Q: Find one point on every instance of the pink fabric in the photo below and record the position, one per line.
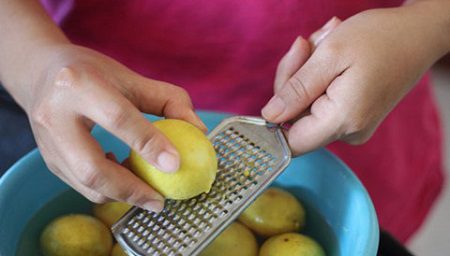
(225, 53)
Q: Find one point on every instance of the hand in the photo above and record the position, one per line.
(341, 84)
(76, 88)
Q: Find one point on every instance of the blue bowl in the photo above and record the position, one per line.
(340, 214)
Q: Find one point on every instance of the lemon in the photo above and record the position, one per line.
(198, 162)
(236, 239)
(110, 213)
(290, 244)
(117, 251)
(274, 212)
(76, 235)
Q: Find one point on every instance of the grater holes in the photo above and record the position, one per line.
(161, 245)
(196, 208)
(176, 217)
(145, 219)
(203, 197)
(196, 221)
(155, 228)
(192, 202)
(191, 217)
(182, 207)
(185, 213)
(185, 227)
(242, 166)
(157, 244)
(140, 216)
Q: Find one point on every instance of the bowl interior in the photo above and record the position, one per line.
(340, 215)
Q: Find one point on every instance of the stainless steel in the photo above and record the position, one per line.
(251, 154)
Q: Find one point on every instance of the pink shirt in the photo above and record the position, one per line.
(225, 53)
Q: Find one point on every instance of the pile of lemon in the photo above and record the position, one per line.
(268, 227)
(276, 217)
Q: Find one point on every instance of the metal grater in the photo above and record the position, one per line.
(251, 154)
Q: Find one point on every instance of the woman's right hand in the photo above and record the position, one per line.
(66, 89)
(75, 88)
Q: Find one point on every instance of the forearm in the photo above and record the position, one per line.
(24, 28)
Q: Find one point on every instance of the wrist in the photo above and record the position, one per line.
(436, 14)
(30, 69)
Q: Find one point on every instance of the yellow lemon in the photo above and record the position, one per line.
(236, 239)
(76, 235)
(110, 213)
(274, 212)
(290, 244)
(198, 162)
(117, 251)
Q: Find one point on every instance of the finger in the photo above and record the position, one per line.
(323, 32)
(93, 170)
(305, 86)
(107, 107)
(92, 195)
(122, 119)
(94, 97)
(165, 99)
(292, 61)
(54, 161)
(56, 166)
(317, 129)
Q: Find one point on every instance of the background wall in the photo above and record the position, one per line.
(434, 237)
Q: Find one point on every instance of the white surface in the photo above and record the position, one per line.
(434, 237)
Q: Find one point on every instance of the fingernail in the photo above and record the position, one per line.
(274, 108)
(329, 23)
(168, 161)
(154, 206)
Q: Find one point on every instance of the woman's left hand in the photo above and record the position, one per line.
(343, 82)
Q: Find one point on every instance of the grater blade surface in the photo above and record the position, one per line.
(251, 153)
